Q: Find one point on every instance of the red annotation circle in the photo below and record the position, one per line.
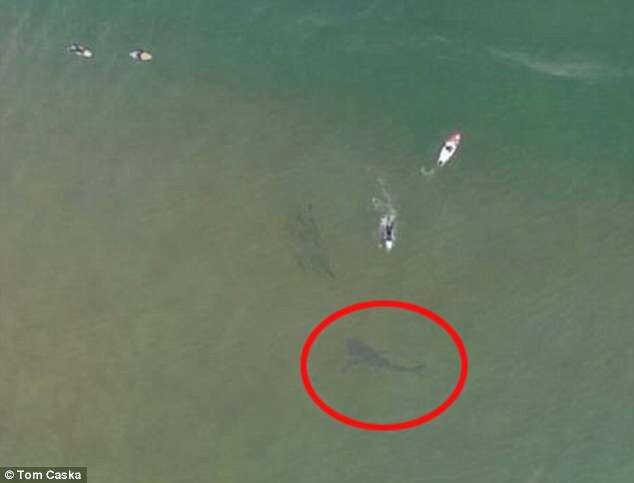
(410, 423)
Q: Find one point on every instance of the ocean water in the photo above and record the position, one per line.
(173, 230)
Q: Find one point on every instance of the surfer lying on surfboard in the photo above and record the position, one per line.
(79, 50)
(141, 55)
(387, 231)
(449, 148)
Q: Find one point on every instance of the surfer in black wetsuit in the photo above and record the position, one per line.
(389, 230)
(141, 55)
(79, 50)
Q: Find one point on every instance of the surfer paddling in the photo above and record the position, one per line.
(387, 231)
(449, 149)
(79, 50)
(141, 55)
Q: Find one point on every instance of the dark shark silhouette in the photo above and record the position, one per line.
(361, 353)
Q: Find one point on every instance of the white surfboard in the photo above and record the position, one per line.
(449, 148)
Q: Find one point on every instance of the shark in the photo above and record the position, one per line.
(361, 353)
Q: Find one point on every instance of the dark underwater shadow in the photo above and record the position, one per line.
(309, 250)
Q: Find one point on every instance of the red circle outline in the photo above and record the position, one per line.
(410, 423)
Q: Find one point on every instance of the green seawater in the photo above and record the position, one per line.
(173, 230)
